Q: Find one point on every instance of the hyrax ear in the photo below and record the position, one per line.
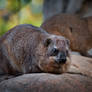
(47, 42)
(68, 42)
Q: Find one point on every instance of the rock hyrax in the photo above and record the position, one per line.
(29, 49)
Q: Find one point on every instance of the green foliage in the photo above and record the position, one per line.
(14, 12)
(3, 27)
(2, 4)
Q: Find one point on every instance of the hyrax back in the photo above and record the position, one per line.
(26, 49)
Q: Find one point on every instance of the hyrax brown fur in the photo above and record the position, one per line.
(77, 30)
(27, 49)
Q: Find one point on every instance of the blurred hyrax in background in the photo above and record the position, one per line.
(78, 30)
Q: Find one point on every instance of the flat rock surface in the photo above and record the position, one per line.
(78, 79)
(47, 83)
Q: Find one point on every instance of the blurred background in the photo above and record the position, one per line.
(14, 12)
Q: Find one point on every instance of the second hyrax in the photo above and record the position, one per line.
(27, 49)
(77, 30)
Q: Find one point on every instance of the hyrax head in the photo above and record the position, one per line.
(53, 53)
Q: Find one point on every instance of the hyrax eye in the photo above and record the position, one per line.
(47, 42)
(54, 52)
(68, 42)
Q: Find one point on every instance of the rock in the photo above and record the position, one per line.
(47, 83)
(44, 82)
(81, 65)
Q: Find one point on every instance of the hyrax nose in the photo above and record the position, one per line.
(61, 58)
